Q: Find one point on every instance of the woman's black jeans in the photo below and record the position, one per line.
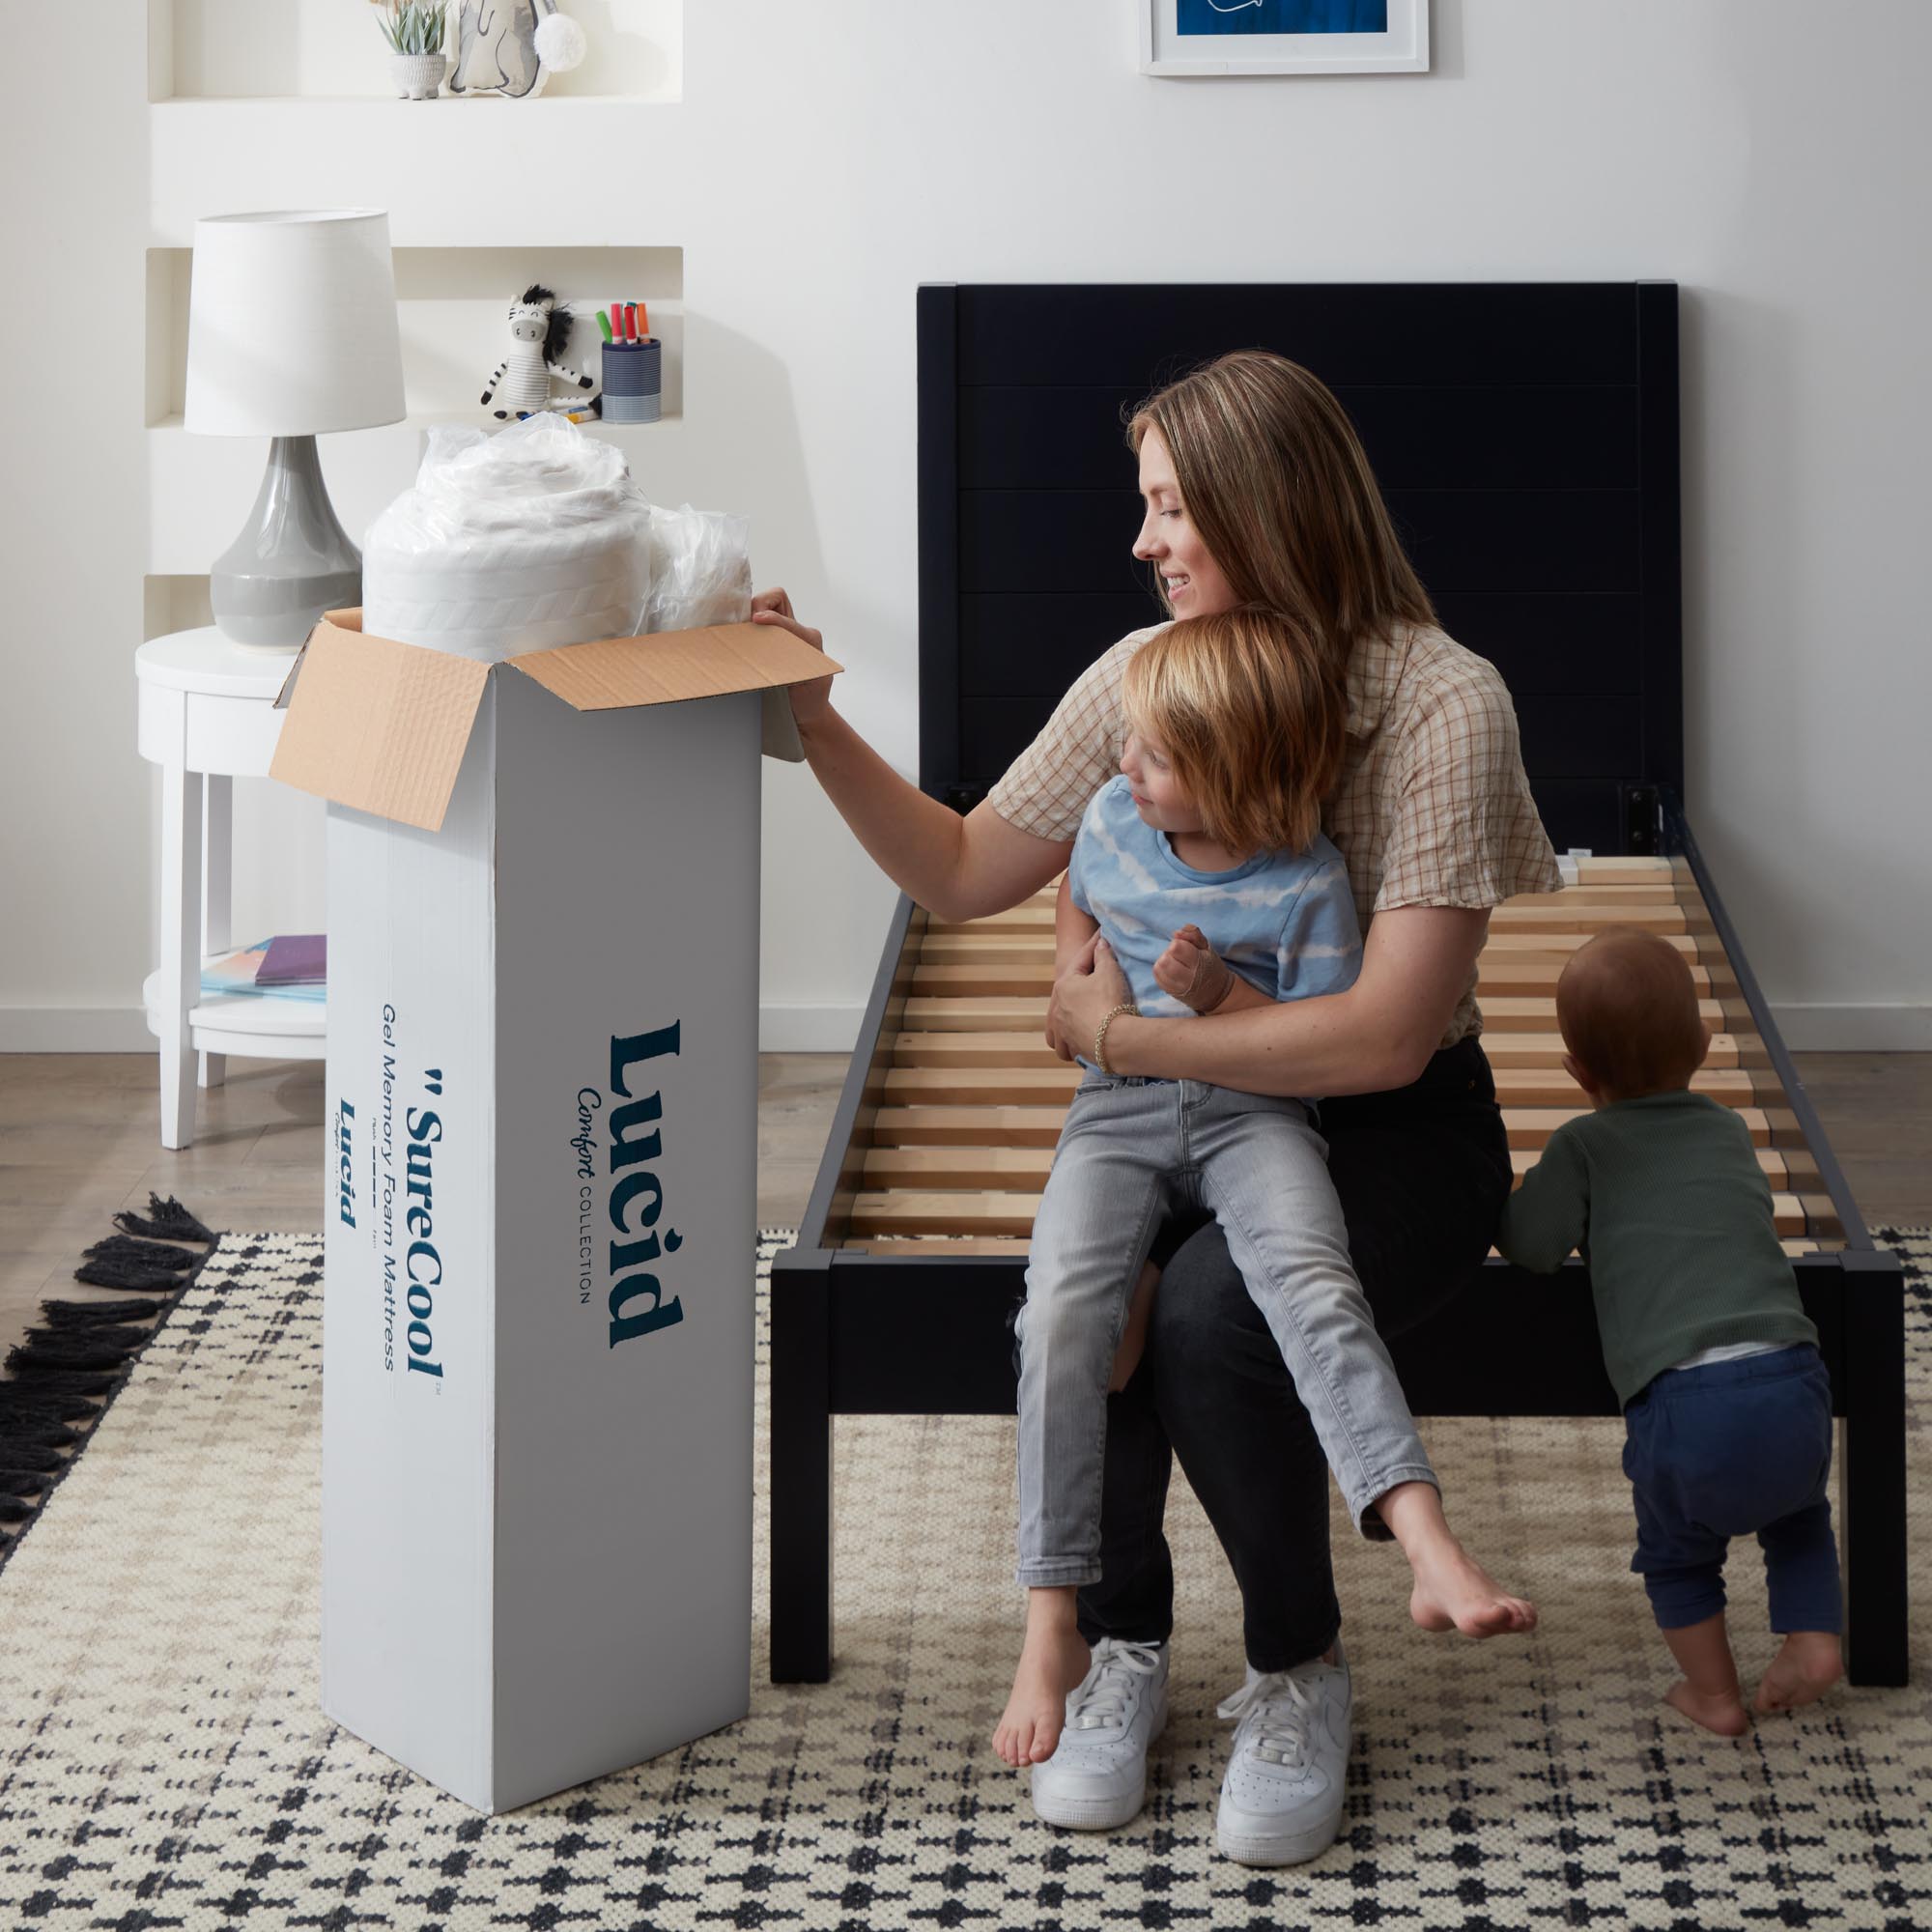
(1423, 1173)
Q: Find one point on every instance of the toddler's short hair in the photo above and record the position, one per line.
(1251, 720)
(1627, 1009)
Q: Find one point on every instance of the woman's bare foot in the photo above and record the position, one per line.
(1452, 1591)
(1053, 1661)
(1719, 1711)
(1806, 1665)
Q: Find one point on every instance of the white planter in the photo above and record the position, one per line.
(417, 76)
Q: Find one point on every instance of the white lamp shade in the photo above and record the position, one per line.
(292, 325)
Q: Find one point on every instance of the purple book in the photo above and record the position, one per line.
(295, 959)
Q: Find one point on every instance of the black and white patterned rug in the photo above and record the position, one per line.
(164, 1762)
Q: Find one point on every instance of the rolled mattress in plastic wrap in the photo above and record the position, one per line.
(521, 540)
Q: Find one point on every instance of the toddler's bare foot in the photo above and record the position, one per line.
(1806, 1665)
(1719, 1711)
(1453, 1591)
(1052, 1661)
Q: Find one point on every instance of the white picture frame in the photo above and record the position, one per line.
(1172, 41)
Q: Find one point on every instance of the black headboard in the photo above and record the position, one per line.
(1524, 433)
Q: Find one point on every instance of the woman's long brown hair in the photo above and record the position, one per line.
(1276, 480)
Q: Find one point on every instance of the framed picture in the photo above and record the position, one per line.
(1222, 36)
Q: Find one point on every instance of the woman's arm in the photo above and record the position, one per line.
(957, 868)
(1377, 1036)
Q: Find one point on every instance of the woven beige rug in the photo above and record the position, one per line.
(164, 1764)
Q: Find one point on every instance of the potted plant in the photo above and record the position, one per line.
(414, 30)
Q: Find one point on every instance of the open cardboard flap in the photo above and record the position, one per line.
(382, 726)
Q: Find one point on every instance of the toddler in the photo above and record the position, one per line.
(1727, 1405)
(1212, 828)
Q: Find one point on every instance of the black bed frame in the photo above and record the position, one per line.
(1527, 439)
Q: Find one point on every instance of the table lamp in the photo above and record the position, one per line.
(292, 332)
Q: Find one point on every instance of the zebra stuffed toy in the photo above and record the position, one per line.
(539, 330)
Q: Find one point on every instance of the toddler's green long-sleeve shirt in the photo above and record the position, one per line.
(1665, 1200)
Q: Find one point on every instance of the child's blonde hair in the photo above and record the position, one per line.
(1251, 720)
(1627, 1006)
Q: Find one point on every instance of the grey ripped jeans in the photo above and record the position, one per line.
(1131, 1151)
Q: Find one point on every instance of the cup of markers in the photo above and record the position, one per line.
(632, 364)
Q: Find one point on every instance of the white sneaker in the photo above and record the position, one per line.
(1283, 1795)
(1096, 1778)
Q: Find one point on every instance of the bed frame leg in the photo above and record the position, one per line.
(801, 1397)
(1871, 1475)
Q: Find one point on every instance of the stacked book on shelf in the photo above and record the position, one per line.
(291, 966)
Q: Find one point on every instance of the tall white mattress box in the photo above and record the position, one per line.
(519, 540)
(542, 1086)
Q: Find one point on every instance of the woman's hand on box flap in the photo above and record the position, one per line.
(809, 701)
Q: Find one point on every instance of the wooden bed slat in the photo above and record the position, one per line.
(993, 1048)
(991, 1211)
(1574, 909)
(1040, 1126)
(1507, 977)
(1024, 1012)
(1029, 1085)
(975, 948)
(1024, 1169)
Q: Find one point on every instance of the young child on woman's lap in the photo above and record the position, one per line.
(1202, 868)
(1727, 1405)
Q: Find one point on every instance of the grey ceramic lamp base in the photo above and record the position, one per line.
(293, 559)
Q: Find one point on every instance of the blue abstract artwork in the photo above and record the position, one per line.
(1281, 16)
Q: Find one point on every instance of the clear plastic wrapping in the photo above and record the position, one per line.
(524, 540)
(700, 569)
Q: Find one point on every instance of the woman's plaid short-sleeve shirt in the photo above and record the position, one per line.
(1432, 809)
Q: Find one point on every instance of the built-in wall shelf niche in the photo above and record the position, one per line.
(333, 50)
(453, 305)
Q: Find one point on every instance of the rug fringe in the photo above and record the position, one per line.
(77, 1348)
(37, 1426)
(98, 1314)
(66, 1373)
(28, 1400)
(131, 1248)
(165, 1221)
(127, 1274)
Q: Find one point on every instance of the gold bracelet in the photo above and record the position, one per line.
(1100, 1033)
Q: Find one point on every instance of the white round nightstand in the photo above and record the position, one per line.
(208, 717)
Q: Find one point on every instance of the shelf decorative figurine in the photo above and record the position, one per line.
(415, 32)
(539, 334)
(512, 47)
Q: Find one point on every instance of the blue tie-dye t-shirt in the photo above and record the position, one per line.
(1285, 921)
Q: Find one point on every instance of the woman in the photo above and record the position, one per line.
(1257, 492)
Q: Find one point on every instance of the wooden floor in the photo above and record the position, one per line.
(79, 1138)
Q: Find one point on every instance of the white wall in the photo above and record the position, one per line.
(825, 161)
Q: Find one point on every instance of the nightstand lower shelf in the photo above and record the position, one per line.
(256, 1025)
